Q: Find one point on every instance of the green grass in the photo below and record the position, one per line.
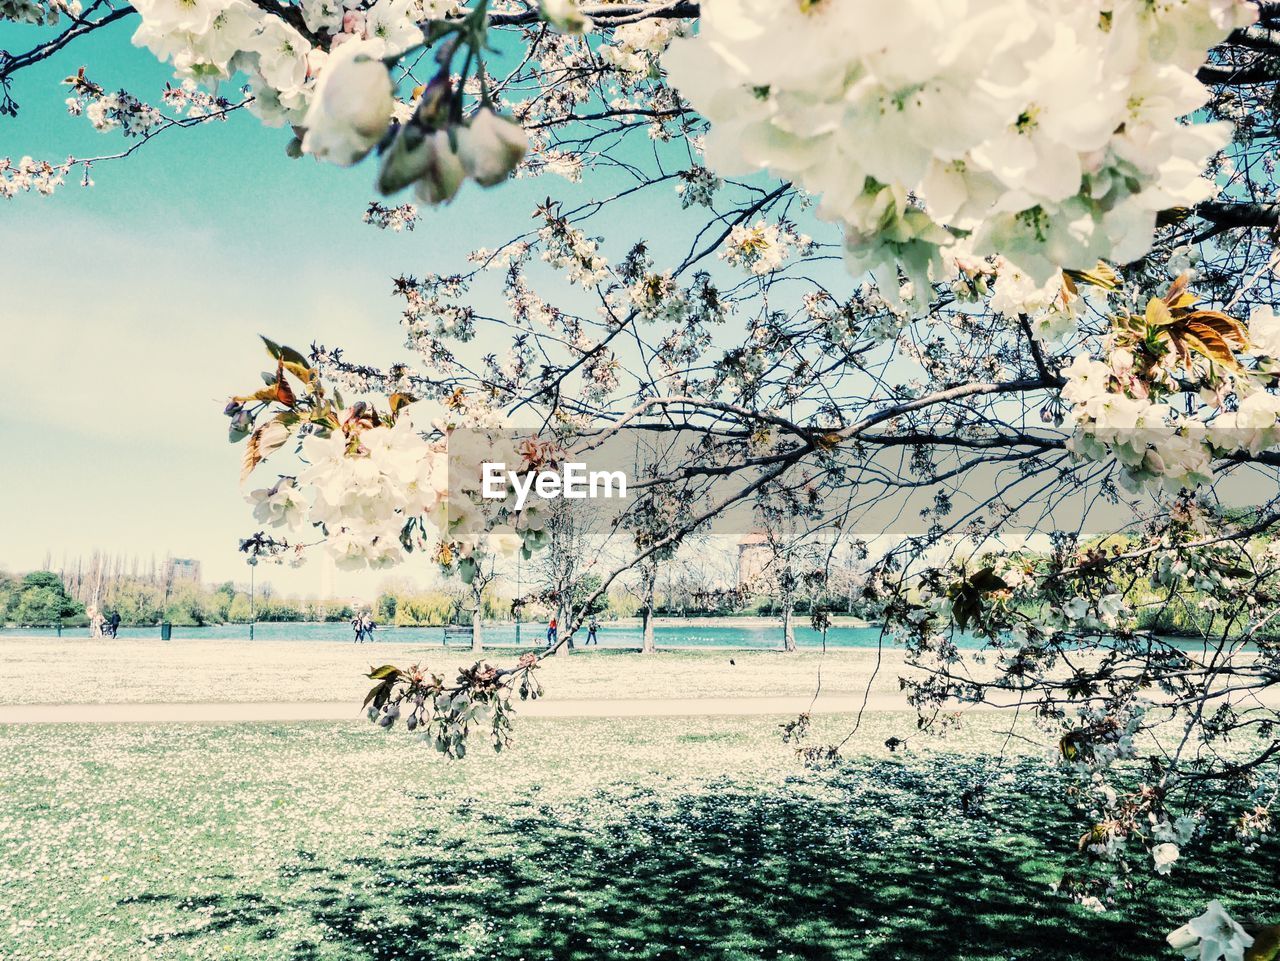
(630, 838)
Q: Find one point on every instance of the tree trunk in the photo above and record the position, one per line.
(788, 627)
(646, 612)
(646, 643)
(477, 644)
(562, 628)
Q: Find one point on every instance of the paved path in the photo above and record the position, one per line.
(347, 711)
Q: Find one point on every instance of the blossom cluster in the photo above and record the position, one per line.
(1150, 440)
(763, 247)
(435, 308)
(941, 123)
(324, 69)
(189, 100)
(374, 491)
(373, 486)
(396, 219)
(1052, 310)
(122, 110)
(656, 297)
(39, 12)
(636, 47)
(361, 487)
(1133, 405)
(567, 248)
(211, 40)
(697, 187)
(437, 153)
(28, 174)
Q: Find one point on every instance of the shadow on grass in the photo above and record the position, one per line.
(876, 861)
(219, 913)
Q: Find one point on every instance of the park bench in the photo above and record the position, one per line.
(457, 632)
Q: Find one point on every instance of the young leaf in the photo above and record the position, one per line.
(1158, 313)
(284, 393)
(1205, 340)
(265, 439)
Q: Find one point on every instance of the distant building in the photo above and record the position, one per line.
(753, 559)
(184, 569)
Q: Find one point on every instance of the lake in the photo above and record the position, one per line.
(695, 635)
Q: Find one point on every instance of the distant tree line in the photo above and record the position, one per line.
(38, 598)
(146, 594)
(43, 598)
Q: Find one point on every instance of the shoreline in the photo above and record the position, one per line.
(736, 620)
(386, 633)
(740, 621)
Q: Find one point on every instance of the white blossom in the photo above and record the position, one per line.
(1163, 856)
(367, 488)
(351, 107)
(565, 15)
(1264, 331)
(941, 121)
(1213, 936)
(490, 147)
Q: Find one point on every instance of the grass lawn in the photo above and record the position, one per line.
(600, 839)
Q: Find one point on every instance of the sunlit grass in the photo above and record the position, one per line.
(77, 671)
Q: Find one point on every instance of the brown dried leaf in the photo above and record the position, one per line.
(283, 392)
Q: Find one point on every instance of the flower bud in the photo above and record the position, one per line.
(491, 147)
(405, 160)
(353, 22)
(351, 107)
(411, 151)
(565, 16)
(442, 172)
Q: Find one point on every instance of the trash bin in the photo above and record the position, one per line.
(166, 631)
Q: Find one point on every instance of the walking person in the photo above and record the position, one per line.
(552, 632)
(593, 629)
(357, 625)
(367, 624)
(113, 624)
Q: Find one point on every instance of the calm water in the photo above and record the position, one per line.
(766, 635)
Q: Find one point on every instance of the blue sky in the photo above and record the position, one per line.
(130, 310)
